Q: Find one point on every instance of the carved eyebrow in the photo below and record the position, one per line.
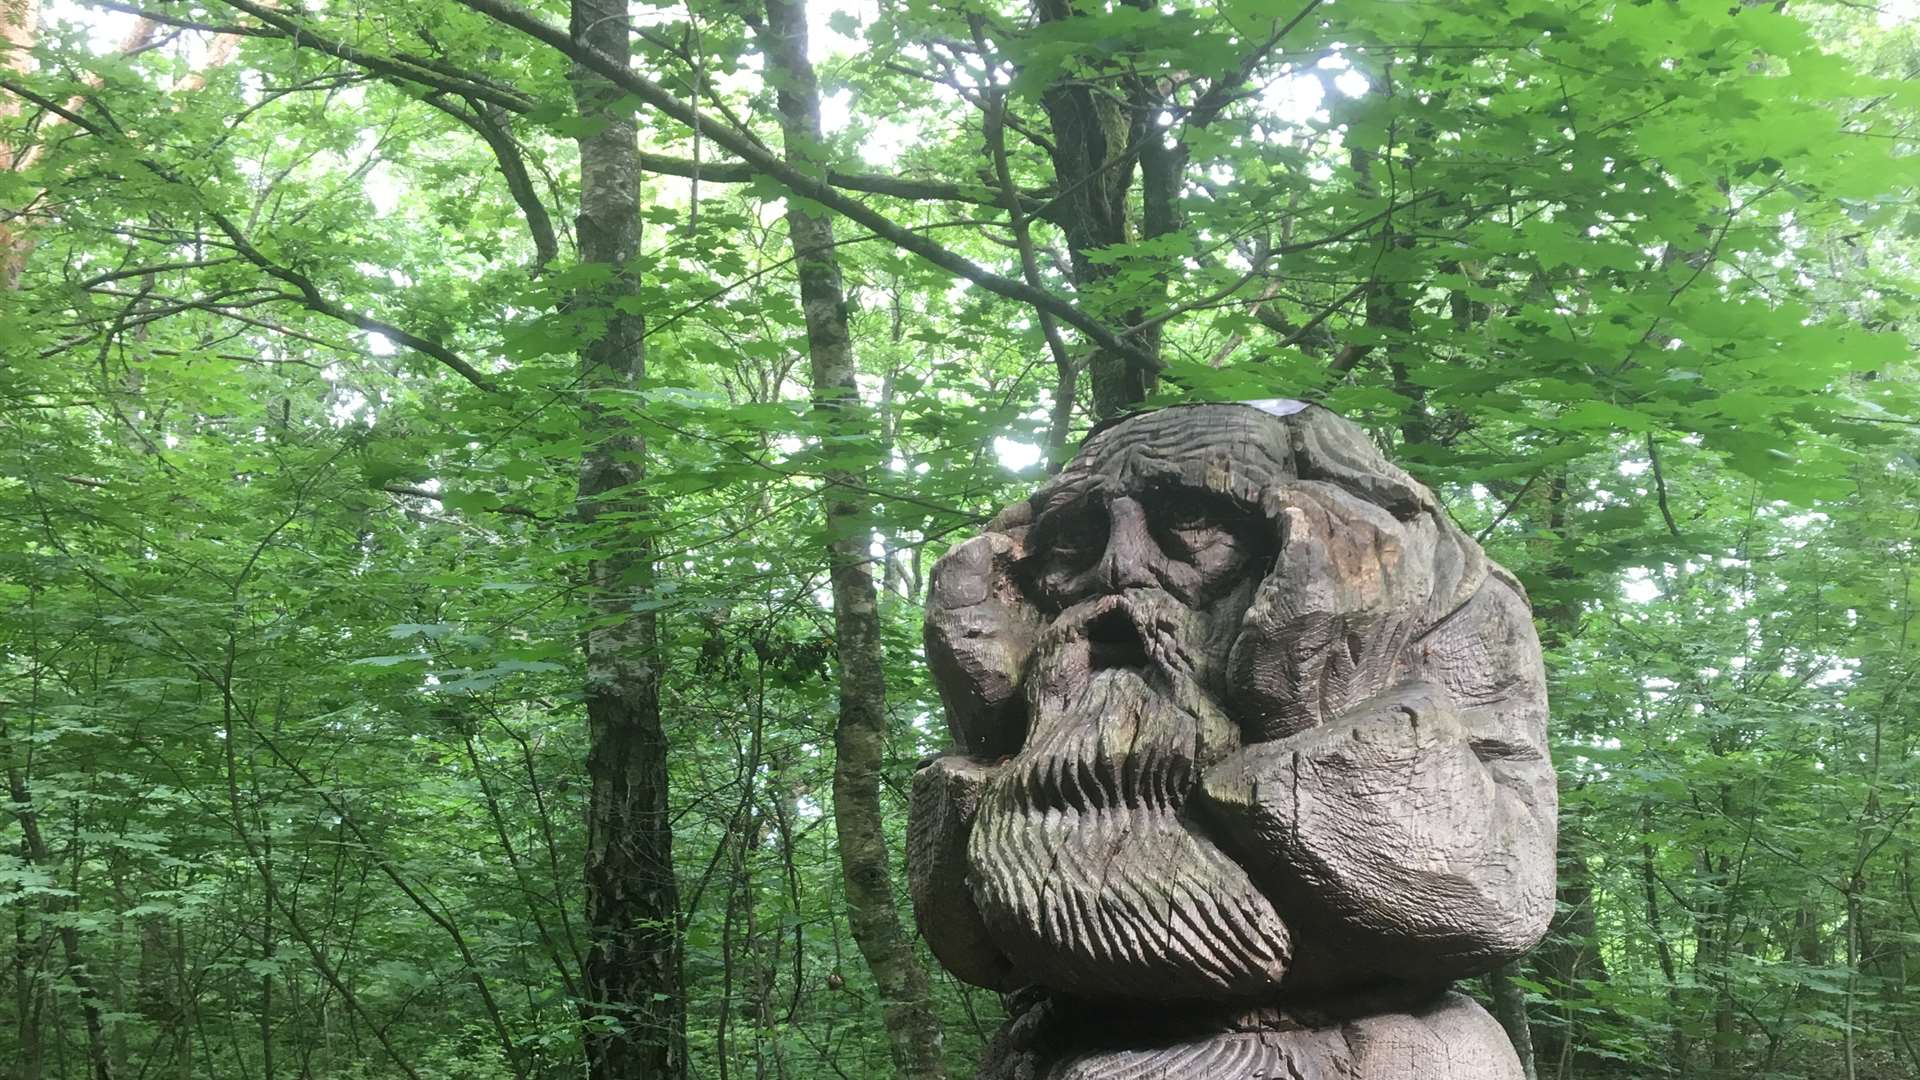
(1065, 496)
(1072, 497)
(1177, 488)
(1062, 515)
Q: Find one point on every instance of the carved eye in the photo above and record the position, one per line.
(1076, 537)
(1064, 544)
(1188, 526)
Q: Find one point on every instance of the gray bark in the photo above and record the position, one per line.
(914, 1033)
(1097, 141)
(635, 1012)
(1510, 1008)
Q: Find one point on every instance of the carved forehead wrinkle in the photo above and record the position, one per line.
(1230, 449)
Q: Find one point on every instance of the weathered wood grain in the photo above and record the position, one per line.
(1243, 721)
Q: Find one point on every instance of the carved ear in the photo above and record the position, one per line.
(1329, 627)
(979, 633)
(1330, 448)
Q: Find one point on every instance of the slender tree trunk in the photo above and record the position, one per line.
(116, 996)
(635, 1010)
(39, 855)
(1510, 1008)
(1570, 959)
(100, 1060)
(269, 895)
(1848, 1050)
(16, 32)
(1389, 305)
(188, 1015)
(1649, 881)
(1712, 952)
(153, 980)
(26, 997)
(913, 1028)
(742, 840)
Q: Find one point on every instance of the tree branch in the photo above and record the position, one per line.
(310, 295)
(1066, 374)
(281, 27)
(1660, 486)
(506, 153)
(898, 187)
(473, 86)
(802, 184)
(312, 298)
(1221, 92)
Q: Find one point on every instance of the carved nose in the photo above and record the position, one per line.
(1131, 553)
(1113, 641)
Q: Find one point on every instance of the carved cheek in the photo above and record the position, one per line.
(1219, 560)
(1263, 677)
(979, 635)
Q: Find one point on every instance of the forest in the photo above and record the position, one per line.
(470, 470)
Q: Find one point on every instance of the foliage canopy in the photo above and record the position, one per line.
(299, 559)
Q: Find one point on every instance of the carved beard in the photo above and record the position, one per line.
(1085, 868)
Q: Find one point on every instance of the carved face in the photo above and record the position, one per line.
(1197, 580)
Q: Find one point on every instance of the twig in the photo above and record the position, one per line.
(310, 294)
(1512, 504)
(1660, 486)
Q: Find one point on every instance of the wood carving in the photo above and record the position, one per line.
(1251, 763)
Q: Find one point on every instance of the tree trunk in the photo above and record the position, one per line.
(18, 21)
(635, 1011)
(913, 1028)
(1096, 144)
(1679, 1050)
(100, 1061)
(26, 998)
(19, 28)
(1510, 1008)
(1570, 959)
(39, 855)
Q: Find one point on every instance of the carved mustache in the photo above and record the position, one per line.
(1144, 630)
(1117, 714)
(1081, 863)
(1112, 749)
